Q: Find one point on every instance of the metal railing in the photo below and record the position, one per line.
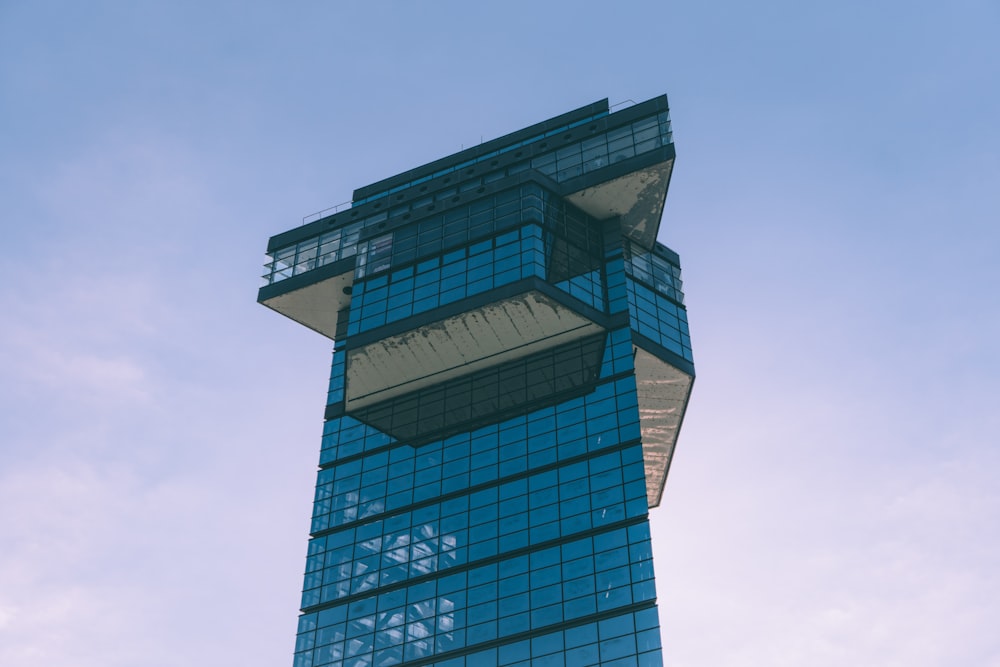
(319, 215)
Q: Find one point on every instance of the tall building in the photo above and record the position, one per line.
(511, 366)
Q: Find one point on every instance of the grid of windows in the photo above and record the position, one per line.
(606, 416)
(335, 391)
(445, 279)
(501, 598)
(614, 277)
(610, 147)
(345, 437)
(482, 218)
(522, 513)
(654, 269)
(495, 520)
(534, 381)
(460, 273)
(312, 253)
(531, 522)
(479, 219)
(627, 640)
(659, 319)
(515, 233)
(560, 164)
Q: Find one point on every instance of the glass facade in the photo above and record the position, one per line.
(496, 511)
(572, 160)
(494, 241)
(457, 546)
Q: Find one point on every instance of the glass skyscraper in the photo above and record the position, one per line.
(510, 371)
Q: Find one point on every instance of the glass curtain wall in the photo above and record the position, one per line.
(518, 534)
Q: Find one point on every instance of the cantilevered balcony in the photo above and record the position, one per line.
(609, 165)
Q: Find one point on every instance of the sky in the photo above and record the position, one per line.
(835, 203)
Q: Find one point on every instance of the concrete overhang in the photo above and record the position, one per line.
(663, 395)
(636, 196)
(495, 333)
(315, 298)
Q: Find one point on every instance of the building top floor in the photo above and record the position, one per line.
(572, 153)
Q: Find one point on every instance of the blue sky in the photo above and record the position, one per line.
(835, 204)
